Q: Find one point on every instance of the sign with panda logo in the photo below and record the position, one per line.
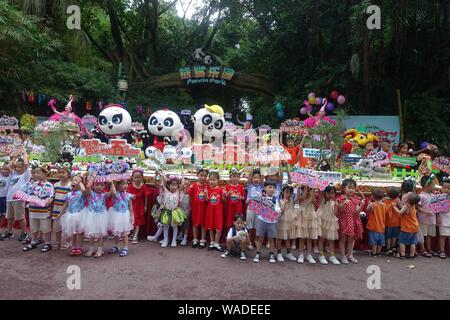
(203, 72)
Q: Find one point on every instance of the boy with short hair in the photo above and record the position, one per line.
(266, 220)
(237, 238)
(376, 222)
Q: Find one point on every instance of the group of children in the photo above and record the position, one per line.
(73, 208)
(88, 209)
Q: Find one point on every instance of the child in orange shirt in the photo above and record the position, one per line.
(409, 226)
(376, 222)
(293, 150)
(392, 219)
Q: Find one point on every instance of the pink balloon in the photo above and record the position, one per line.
(306, 103)
(309, 108)
(303, 110)
(341, 100)
(334, 94)
(318, 101)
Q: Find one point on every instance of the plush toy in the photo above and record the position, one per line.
(360, 137)
(66, 153)
(164, 123)
(114, 121)
(209, 124)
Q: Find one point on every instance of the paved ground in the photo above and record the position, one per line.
(151, 272)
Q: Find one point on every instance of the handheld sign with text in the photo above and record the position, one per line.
(405, 161)
(442, 163)
(117, 148)
(308, 180)
(439, 203)
(261, 210)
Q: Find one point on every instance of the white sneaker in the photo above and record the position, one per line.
(291, 257)
(256, 258)
(272, 259)
(174, 243)
(301, 259)
(164, 244)
(334, 260)
(316, 250)
(323, 260)
(344, 260)
(310, 259)
(352, 259)
(152, 239)
(280, 257)
(184, 241)
(243, 257)
(161, 241)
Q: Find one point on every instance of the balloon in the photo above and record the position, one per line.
(318, 101)
(334, 94)
(308, 108)
(306, 103)
(312, 100)
(341, 99)
(311, 95)
(280, 114)
(423, 144)
(279, 107)
(303, 110)
(330, 106)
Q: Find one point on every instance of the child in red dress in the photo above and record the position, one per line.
(215, 197)
(140, 192)
(197, 192)
(235, 196)
(350, 225)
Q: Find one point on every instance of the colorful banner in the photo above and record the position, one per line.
(310, 181)
(261, 210)
(442, 164)
(116, 148)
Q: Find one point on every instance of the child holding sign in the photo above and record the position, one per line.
(427, 219)
(267, 210)
(444, 220)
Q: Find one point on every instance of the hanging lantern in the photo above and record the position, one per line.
(122, 85)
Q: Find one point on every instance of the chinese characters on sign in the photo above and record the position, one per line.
(117, 148)
(206, 75)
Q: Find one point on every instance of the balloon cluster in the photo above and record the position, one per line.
(319, 101)
(279, 108)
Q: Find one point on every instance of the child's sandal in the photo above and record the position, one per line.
(73, 252)
(123, 253)
(46, 248)
(89, 253)
(113, 250)
(442, 255)
(29, 247)
(99, 253)
(398, 256)
(134, 240)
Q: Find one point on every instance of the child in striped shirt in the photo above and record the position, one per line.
(40, 213)
(62, 187)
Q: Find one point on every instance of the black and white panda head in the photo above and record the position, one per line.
(164, 123)
(209, 121)
(66, 149)
(114, 120)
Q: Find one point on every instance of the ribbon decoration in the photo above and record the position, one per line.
(29, 198)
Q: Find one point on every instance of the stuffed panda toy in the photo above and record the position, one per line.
(209, 124)
(66, 153)
(115, 122)
(164, 123)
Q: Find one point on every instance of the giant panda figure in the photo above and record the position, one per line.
(209, 124)
(114, 122)
(164, 123)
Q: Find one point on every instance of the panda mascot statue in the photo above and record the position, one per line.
(114, 122)
(209, 124)
(165, 124)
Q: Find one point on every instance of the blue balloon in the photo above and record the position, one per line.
(280, 114)
(330, 106)
(423, 144)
